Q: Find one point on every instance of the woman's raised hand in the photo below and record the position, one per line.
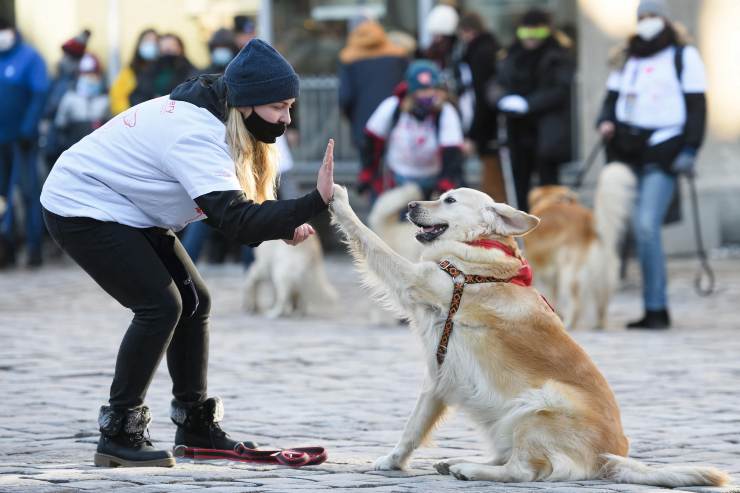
(325, 180)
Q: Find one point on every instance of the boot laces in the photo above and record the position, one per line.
(141, 438)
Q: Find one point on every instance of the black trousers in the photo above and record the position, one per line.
(149, 272)
(525, 162)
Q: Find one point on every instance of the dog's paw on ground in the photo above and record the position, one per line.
(442, 467)
(387, 463)
(463, 472)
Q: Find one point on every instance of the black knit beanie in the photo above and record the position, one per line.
(259, 75)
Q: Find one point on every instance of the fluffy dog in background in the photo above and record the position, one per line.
(294, 274)
(541, 404)
(385, 220)
(574, 252)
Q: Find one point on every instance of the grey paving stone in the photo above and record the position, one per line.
(338, 381)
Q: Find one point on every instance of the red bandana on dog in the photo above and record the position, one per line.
(524, 276)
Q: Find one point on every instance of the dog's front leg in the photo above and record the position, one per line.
(427, 412)
(396, 273)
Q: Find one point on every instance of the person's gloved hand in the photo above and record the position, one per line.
(685, 162)
(513, 103)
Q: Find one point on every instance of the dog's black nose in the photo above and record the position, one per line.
(413, 205)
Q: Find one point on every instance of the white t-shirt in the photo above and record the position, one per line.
(650, 94)
(144, 167)
(412, 149)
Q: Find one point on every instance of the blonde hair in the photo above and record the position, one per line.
(255, 162)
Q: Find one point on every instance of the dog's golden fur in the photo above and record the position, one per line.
(574, 251)
(542, 405)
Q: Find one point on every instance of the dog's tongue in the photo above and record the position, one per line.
(428, 229)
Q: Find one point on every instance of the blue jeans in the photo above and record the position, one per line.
(195, 236)
(20, 168)
(655, 191)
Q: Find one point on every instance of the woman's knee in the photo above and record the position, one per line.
(161, 313)
(646, 228)
(204, 302)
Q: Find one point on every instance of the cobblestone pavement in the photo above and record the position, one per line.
(337, 380)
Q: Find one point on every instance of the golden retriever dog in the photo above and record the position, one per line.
(573, 251)
(294, 274)
(503, 356)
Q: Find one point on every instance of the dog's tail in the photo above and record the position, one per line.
(386, 210)
(626, 470)
(615, 194)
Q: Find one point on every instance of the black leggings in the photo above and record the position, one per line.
(145, 270)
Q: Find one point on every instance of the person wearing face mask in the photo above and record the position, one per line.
(416, 135)
(653, 119)
(67, 70)
(533, 89)
(222, 48)
(23, 88)
(201, 153)
(146, 52)
(170, 69)
(84, 107)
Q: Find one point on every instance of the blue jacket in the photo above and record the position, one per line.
(23, 86)
(363, 85)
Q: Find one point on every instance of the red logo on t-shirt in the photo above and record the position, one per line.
(129, 119)
(170, 107)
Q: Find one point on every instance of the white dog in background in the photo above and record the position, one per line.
(294, 274)
(540, 402)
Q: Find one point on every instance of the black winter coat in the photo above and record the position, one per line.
(543, 77)
(480, 56)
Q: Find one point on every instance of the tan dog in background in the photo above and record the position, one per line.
(574, 252)
(294, 274)
(541, 404)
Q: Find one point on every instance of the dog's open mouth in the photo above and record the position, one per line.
(430, 233)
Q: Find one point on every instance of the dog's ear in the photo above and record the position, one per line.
(504, 220)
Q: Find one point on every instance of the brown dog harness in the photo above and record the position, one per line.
(460, 279)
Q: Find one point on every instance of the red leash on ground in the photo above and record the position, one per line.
(293, 457)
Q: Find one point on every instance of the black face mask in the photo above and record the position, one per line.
(262, 130)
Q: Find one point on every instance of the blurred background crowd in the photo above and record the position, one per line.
(412, 90)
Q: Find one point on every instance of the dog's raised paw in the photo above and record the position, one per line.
(340, 194)
(386, 463)
(442, 467)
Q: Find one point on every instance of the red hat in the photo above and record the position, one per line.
(76, 46)
(89, 64)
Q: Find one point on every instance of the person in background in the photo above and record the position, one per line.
(245, 29)
(67, 70)
(145, 53)
(476, 70)
(441, 24)
(533, 89)
(24, 85)
(171, 68)
(417, 134)
(222, 48)
(653, 119)
(370, 68)
(84, 107)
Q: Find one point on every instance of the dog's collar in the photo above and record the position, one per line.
(524, 276)
(492, 244)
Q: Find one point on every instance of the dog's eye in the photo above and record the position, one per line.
(450, 200)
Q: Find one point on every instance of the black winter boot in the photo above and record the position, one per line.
(653, 319)
(197, 425)
(122, 441)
